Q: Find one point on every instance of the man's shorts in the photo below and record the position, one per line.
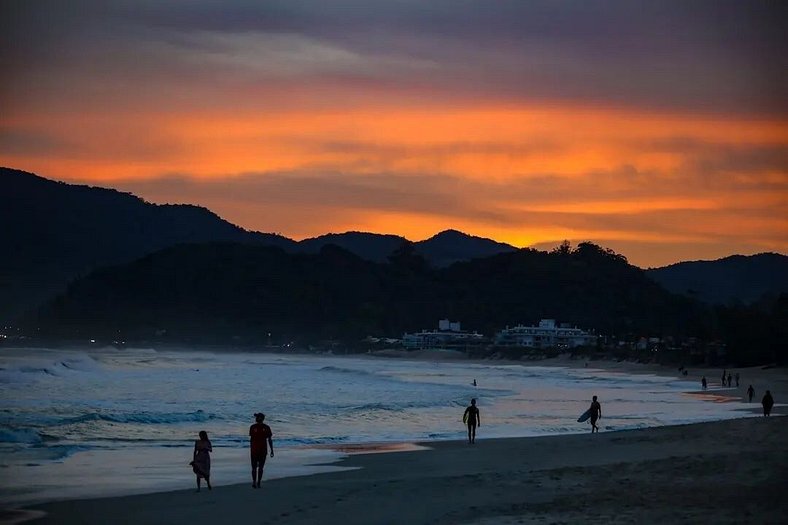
(258, 458)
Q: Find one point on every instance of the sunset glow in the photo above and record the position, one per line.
(665, 150)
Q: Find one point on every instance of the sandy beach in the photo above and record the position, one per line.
(734, 471)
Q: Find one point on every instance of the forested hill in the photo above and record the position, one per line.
(54, 232)
(737, 278)
(220, 289)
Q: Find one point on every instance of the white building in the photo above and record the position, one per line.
(448, 335)
(546, 335)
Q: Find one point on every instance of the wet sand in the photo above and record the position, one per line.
(727, 472)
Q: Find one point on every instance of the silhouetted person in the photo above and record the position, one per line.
(737, 379)
(474, 382)
(768, 403)
(703, 382)
(472, 419)
(750, 393)
(259, 439)
(724, 373)
(201, 462)
(730, 380)
(596, 413)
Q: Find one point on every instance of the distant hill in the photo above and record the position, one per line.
(451, 246)
(443, 249)
(724, 281)
(218, 291)
(370, 246)
(53, 232)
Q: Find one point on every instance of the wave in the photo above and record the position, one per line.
(80, 363)
(147, 418)
(388, 407)
(20, 435)
(340, 370)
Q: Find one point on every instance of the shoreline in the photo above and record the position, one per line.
(352, 450)
(632, 473)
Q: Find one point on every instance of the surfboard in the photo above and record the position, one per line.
(465, 418)
(585, 416)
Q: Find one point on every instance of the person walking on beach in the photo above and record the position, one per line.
(259, 440)
(201, 462)
(730, 379)
(768, 403)
(703, 382)
(596, 413)
(472, 419)
(724, 374)
(737, 379)
(750, 393)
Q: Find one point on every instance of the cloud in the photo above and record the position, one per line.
(621, 54)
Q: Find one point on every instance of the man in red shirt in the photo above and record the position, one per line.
(259, 436)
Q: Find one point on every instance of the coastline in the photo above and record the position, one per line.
(765, 377)
(776, 378)
(734, 470)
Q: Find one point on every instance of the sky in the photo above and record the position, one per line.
(657, 129)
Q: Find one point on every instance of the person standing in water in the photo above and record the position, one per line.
(472, 419)
(703, 382)
(259, 441)
(201, 462)
(768, 403)
(596, 413)
(750, 393)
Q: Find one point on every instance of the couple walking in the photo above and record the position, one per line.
(259, 441)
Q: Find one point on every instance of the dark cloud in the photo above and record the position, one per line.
(714, 55)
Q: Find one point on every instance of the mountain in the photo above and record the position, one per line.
(451, 246)
(53, 232)
(218, 291)
(441, 250)
(724, 281)
(370, 246)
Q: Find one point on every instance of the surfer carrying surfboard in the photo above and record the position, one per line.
(596, 413)
(472, 419)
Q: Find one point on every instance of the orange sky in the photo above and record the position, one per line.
(305, 134)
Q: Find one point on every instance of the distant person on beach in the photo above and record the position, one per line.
(724, 374)
(730, 379)
(768, 403)
(474, 382)
(737, 379)
(750, 393)
(259, 441)
(703, 382)
(472, 419)
(596, 413)
(201, 462)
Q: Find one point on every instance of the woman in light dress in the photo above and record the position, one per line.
(201, 464)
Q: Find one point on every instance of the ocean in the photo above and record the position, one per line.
(100, 422)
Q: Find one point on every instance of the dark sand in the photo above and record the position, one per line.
(732, 471)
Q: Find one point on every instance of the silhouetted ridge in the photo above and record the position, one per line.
(724, 281)
(222, 290)
(369, 246)
(56, 231)
(450, 246)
